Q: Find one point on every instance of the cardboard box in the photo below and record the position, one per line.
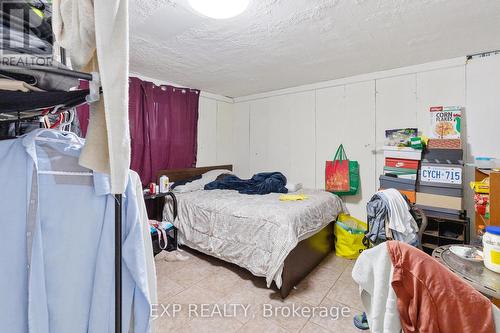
(445, 122)
(397, 183)
(443, 156)
(452, 190)
(444, 144)
(442, 201)
(401, 163)
(402, 153)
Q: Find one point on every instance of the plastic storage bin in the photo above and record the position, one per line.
(491, 248)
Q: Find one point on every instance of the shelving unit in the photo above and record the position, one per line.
(494, 219)
(441, 231)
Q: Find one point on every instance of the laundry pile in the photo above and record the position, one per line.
(389, 217)
(260, 183)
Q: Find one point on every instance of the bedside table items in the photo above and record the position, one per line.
(161, 188)
(163, 230)
(164, 184)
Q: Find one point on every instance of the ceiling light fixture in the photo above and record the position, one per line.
(219, 9)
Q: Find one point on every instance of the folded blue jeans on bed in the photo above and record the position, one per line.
(260, 183)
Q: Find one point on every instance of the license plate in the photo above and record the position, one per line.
(444, 175)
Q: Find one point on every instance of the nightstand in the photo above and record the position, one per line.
(160, 201)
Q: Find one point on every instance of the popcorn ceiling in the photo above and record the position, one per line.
(284, 43)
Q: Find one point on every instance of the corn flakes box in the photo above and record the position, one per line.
(445, 122)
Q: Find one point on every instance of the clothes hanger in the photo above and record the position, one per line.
(64, 126)
(71, 136)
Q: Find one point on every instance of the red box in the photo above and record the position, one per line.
(401, 163)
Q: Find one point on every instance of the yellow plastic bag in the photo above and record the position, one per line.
(349, 234)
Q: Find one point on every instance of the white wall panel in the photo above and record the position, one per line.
(225, 115)
(302, 138)
(444, 87)
(241, 139)
(207, 127)
(396, 107)
(483, 107)
(360, 142)
(482, 115)
(259, 142)
(282, 136)
(346, 115)
(330, 110)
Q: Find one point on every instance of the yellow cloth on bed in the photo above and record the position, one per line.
(293, 197)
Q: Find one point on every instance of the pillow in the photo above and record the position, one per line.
(199, 184)
(184, 181)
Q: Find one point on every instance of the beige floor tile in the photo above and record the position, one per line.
(165, 325)
(313, 328)
(310, 291)
(192, 274)
(333, 261)
(169, 320)
(327, 274)
(166, 289)
(223, 281)
(196, 295)
(346, 291)
(287, 314)
(212, 325)
(246, 298)
(262, 326)
(339, 319)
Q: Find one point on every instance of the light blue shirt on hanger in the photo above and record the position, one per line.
(57, 242)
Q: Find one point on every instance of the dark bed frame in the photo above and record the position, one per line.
(301, 260)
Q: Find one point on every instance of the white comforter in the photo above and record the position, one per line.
(256, 232)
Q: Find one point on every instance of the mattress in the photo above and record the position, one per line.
(256, 232)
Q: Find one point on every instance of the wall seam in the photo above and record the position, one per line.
(315, 138)
(375, 131)
(216, 132)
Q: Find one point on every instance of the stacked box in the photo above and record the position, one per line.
(401, 170)
(440, 181)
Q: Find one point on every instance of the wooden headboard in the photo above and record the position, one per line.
(187, 173)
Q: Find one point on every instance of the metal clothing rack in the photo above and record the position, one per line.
(118, 211)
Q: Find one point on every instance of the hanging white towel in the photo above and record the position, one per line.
(95, 33)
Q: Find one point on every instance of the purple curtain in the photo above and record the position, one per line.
(163, 127)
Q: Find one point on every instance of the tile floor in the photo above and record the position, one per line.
(203, 286)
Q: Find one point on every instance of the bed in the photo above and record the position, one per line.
(280, 240)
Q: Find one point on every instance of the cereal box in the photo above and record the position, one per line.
(445, 122)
